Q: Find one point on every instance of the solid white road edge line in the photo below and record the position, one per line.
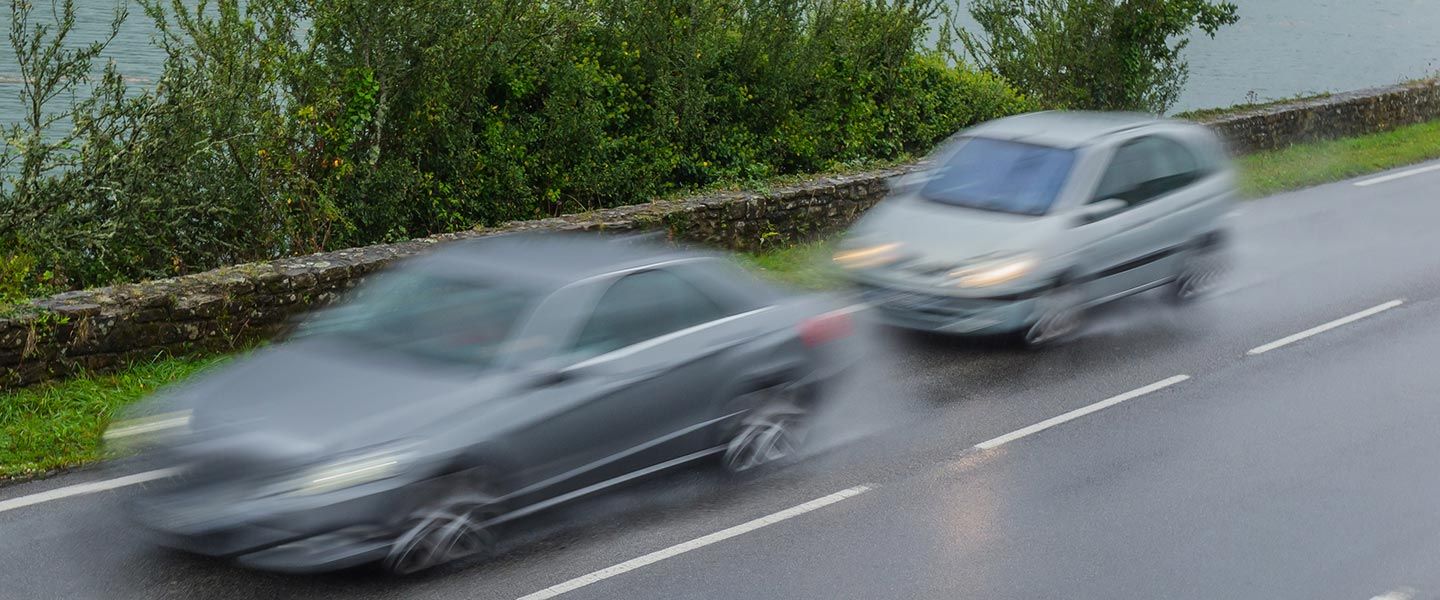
(1399, 175)
(82, 489)
(1324, 328)
(697, 543)
(1080, 412)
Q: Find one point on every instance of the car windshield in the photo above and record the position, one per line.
(428, 316)
(1001, 175)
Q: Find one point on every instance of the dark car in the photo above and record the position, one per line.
(479, 384)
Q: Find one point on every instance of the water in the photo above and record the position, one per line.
(1279, 48)
(138, 60)
(1283, 48)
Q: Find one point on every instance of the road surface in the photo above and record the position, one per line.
(1279, 440)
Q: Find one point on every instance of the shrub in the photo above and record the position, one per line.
(1093, 54)
(16, 278)
(288, 126)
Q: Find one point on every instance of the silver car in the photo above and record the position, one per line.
(1023, 223)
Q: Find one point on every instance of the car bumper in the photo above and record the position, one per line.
(955, 315)
(318, 535)
(270, 549)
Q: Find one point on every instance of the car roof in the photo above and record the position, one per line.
(1064, 129)
(549, 259)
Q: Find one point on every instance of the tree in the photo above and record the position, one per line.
(1092, 54)
(38, 166)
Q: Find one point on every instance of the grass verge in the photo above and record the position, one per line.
(1315, 163)
(59, 424)
(801, 265)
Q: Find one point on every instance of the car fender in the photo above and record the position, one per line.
(779, 357)
(500, 468)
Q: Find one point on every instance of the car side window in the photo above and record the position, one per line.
(1145, 169)
(642, 306)
(1176, 168)
(732, 289)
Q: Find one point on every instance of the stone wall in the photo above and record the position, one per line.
(230, 307)
(1337, 115)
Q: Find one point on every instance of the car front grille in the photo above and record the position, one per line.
(919, 303)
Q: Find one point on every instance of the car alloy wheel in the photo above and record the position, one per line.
(1061, 315)
(445, 531)
(1199, 277)
(773, 432)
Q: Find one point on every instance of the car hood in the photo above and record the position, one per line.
(324, 396)
(943, 236)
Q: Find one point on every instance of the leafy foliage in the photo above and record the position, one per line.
(1092, 54)
(282, 127)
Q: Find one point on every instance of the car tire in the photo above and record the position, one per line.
(1199, 275)
(1061, 316)
(771, 434)
(451, 527)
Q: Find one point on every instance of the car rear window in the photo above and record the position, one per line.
(427, 315)
(1001, 175)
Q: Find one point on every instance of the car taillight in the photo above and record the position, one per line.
(825, 328)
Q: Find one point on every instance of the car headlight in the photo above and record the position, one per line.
(994, 272)
(345, 473)
(867, 256)
(148, 427)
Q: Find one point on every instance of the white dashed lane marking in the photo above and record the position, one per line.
(1319, 329)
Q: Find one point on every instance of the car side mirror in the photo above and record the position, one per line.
(1096, 211)
(545, 373)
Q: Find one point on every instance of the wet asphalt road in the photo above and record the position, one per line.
(1309, 471)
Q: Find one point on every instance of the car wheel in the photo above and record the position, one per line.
(1061, 316)
(773, 432)
(1199, 276)
(448, 529)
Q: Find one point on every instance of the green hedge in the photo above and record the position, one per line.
(288, 126)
